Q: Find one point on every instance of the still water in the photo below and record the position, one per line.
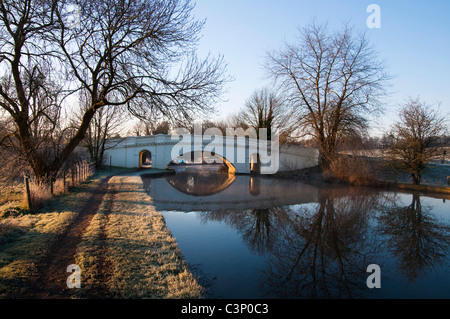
(263, 237)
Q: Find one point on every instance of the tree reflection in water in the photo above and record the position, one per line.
(320, 246)
(316, 251)
(255, 225)
(417, 238)
(325, 249)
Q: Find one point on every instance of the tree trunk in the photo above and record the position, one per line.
(416, 178)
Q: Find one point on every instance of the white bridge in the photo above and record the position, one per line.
(240, 154)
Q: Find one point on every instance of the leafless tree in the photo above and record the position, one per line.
(141, 128)
(146, 127)
(414, 236)
(264, 109)
(335, 81)
(12, 167)
(416, 138)
(106, 124)
(162, 128)
(135, 54)
(235, 120)
(44, 119)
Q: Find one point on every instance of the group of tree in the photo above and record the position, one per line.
(74, 71)
(332, 85)
(139, 56)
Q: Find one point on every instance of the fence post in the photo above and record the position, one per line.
(27, 191)
(64, 181)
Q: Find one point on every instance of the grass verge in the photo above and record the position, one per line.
(25, 236)
(128, 252)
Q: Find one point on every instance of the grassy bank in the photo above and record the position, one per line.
(141, 258)
(426, 189)
(369, 173)
(25, 236)
(128, 252)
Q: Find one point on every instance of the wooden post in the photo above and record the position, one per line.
(51, 185)
(27, 192)
(64, 181)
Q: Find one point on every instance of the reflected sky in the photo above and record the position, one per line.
(272, 238)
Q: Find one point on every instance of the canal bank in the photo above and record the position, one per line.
(436, 184)
(107, 231)
(128, 252)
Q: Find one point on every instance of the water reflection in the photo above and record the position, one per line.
(200, 182)
(284, 239)
(206, 190)
(254, 225)
(416, 237)
(315, 251)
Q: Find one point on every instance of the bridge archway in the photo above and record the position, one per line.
(145, 159)
(231, 168)
(200, 184)
(203, 157)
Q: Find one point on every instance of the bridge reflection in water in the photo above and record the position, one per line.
(262, 237)
(206, 189)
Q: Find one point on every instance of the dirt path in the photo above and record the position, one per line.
(51, 281)
(103, 266)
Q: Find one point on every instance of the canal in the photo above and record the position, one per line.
(263, 237)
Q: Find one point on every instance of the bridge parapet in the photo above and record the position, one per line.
(241, 153)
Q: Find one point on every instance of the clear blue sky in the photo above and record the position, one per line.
(414, 40)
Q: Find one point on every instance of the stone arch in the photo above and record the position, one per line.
(194, 157)
(201, 185)
(231, 168)
(145, 159)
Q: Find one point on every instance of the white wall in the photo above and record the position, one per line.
(127, 153)
(296, 157)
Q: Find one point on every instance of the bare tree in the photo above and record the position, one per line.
(416, 138)
(12, 166)
(135, 54)
(264, 109)
(236, 121)
(44, 118)
(106, 124)
(162, 128)
(334, 80)
(142, 128)
(148, 127)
